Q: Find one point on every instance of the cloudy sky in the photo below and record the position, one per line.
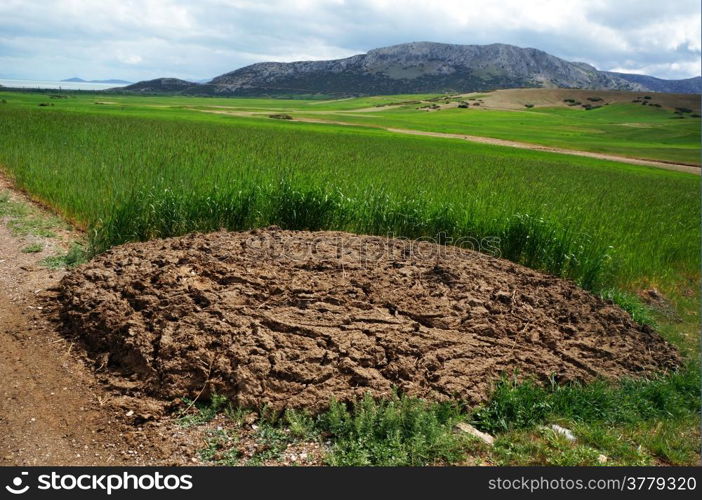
(137, 40)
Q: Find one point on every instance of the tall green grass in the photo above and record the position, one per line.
(521, 405)
(133, 178)
(519, 237)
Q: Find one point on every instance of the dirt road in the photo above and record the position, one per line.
(536, 147)
(483, 140)
(48, 411)
(53, 410)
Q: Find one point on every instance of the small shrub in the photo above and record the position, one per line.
(281, 116)
(400, 431)
(463, 105)
(196, 413)
(594, 99)
(33, 248)
(75, 256)
(647, 97)
(683, 110)
(630, 303)
(528, 105)
(3, 101)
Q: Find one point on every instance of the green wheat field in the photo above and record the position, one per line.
(132, 168)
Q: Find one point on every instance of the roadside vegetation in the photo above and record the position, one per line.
(40, 230)
(130, 172)
(24, 220)
(633, 422)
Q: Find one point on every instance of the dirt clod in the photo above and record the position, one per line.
(292, 319)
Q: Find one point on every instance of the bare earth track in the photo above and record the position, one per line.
(691, 169)
(291, 319)
(53, 410)
(536, 147)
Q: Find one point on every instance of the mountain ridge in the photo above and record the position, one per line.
(682, 86)
(76, 79)
(419, 67)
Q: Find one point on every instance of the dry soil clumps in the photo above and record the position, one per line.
(292, 319)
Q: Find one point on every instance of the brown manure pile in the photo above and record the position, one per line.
(291, 319)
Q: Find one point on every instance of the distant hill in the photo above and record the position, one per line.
(80, 80)
(418, 67)
(160, 85)
(686, 86)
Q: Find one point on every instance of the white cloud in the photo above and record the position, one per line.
(682, 68)
(130, 58)
(145, 39)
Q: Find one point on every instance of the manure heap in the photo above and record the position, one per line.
(291, 319)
